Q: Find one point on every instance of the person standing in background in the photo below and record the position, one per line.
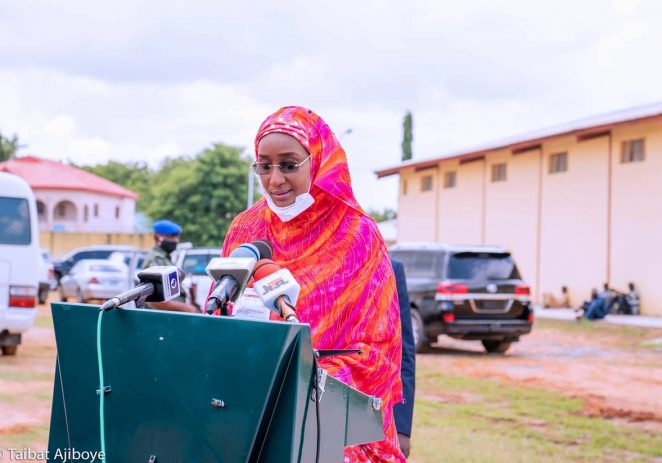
(166, 237)
(404, 412)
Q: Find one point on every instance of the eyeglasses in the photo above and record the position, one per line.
(286, 167)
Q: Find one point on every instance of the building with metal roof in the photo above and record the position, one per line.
(578, 204)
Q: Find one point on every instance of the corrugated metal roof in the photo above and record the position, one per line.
(580, 127)
(44, 174)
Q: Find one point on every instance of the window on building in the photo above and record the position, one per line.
(499, 172)
(117, 212)
(41, 211)
(450, 178)
(86, 213)
(404, 187)
(426, 183)
(96, 210)
(558, 163)
(633, 150)
(64, 210)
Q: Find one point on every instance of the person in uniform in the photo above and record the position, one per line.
(166, 237)
(404, 412)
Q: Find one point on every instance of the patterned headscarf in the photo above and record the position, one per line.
(337, 255)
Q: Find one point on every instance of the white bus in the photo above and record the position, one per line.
(19, 260)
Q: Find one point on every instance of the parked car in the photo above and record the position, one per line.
(193, 262)
(94, 279)
(134, 260)
(47, 280)
(63, 266)
(19, 260)
(465, 292)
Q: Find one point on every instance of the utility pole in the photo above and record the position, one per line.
(251, 183)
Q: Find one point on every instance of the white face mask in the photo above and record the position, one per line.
(287, 213)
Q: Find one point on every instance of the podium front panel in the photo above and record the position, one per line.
(164, 370)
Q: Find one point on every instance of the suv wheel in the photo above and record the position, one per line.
(420, 338)
(9, 350)
(43, 295)
(496, 347)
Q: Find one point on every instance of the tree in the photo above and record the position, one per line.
(8, 147)
(407, 136)
(202, 194)
(381, 216)
(135, 176)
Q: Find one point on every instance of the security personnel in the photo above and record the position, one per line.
(166, 237)
(404, 412)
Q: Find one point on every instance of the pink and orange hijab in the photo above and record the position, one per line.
(335, 252)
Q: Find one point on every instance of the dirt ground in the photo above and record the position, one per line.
(26, 388)
(616, 380)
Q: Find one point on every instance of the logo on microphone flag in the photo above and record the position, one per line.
(274, 285)
(172, 289)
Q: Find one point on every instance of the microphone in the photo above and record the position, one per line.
(277, 289)
(159, 283)
(231, 274)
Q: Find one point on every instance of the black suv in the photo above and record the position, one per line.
(466, 292)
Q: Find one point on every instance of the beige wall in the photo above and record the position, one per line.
(556, 225)
(104, 222)
(418, 207)
(574, 218)
(61, 243)
(511, 217)
(636, 242)
(460, 208)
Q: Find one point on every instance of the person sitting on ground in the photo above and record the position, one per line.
(581, 310)
(598, 307)
(608, 295)
(627, 303)
(549, 301)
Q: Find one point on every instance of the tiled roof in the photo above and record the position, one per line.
(44, 174)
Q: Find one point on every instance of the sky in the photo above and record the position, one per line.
(135, 80)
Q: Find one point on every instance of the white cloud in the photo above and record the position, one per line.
(143, 80)
(61, 125)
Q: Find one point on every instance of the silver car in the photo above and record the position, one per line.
(94, 279)
(47, 280)
(193, 261)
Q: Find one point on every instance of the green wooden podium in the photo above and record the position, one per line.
(194, 388)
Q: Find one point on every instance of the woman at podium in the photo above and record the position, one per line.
(336, 253)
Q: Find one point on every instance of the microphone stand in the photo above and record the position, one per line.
(140, 298)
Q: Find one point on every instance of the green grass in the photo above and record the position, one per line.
(44, 321)
(460, 419)
(17, 375)
(23, 438)
(626, 337)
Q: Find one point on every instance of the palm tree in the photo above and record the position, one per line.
(8, 147)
